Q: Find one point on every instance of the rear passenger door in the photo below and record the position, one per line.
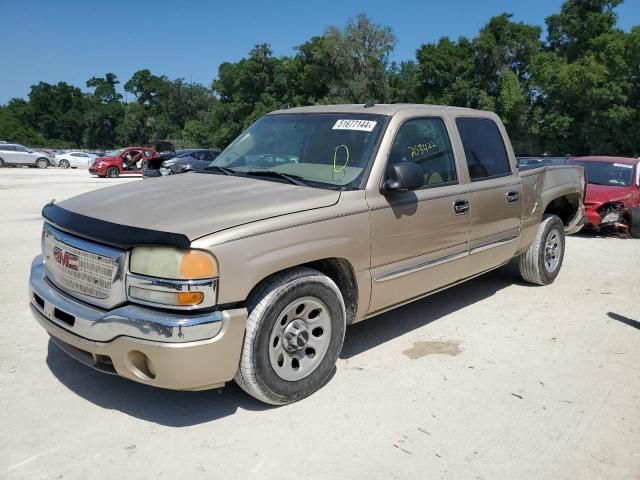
(7, 153)
(494, 193)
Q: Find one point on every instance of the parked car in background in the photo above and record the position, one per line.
(312, 219)
(18, 155)
(123, 161)
(613, 193)
(194, 159)
(74, 160)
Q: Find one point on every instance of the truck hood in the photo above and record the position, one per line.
(194, 204)
(599, 194)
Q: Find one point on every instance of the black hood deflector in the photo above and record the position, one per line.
(111, 233)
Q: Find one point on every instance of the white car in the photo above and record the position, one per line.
(19, 155)
(75, 160)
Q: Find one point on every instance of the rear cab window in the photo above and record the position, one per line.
(484, 148)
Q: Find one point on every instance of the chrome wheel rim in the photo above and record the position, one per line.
(552, 251)
(41, 163)
(300, 338)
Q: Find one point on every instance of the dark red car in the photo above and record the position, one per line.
(124, 161)
(613, 193)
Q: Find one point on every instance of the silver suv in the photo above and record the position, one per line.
(19, 155)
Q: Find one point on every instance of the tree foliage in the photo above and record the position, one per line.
(575, 90)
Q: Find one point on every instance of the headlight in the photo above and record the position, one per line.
(172, 278)
(611, 217)
(173, 263)
(168, 163)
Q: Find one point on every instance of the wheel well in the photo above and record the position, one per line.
(564, 207)
(337, 269)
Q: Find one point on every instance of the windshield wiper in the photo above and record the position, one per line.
(293, 179)
(215, 168)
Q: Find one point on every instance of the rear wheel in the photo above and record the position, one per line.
(42, 163)
(64, 164)
(634, 222)
(542, 261)
(293, 338)
(113, 172)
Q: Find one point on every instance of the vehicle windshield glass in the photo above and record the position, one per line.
(115, 153)
(325, 149)
(606, 173)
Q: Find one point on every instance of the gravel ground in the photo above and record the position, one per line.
(491, 379)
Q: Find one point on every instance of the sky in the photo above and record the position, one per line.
(72, 41)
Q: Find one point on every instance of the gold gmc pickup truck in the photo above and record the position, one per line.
(314, 218)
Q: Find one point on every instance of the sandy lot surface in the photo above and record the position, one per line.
(493, 379)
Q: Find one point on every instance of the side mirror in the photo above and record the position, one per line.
(403, 177)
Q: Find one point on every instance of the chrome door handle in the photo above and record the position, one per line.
(460, 207)
(513, 197)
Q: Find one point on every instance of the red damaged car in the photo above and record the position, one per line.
(613, 194)
(124, 161)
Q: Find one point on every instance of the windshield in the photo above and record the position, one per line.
(326, 149)
(115, 153)
(611, 174)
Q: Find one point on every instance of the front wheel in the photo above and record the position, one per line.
(42, 163)
(1, 163)
(113, 172)
(541, 263)
(294, 335)
(64, 164)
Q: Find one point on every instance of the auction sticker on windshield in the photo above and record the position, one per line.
(361, 125)
(623, 165)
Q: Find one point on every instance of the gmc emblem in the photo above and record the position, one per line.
(66, 259)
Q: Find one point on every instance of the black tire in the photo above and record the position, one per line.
(634, 222)
(1, 163)
(64, 164)
(537, 265)
(42, 163)
(257, 374)
(113, 172)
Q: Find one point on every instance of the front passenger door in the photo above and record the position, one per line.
(418, 238)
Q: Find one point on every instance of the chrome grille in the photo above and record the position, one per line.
(90, 271)
(77, 270)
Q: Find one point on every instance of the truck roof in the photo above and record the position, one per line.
(376, 109)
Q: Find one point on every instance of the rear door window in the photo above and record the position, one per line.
(484, 148)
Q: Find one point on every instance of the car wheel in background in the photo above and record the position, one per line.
(542, 262)
(113, 172)
(42, 163)
(64, 164)
(634, 222)
(294, 335)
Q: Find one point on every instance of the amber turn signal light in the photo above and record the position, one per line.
(190, 298)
